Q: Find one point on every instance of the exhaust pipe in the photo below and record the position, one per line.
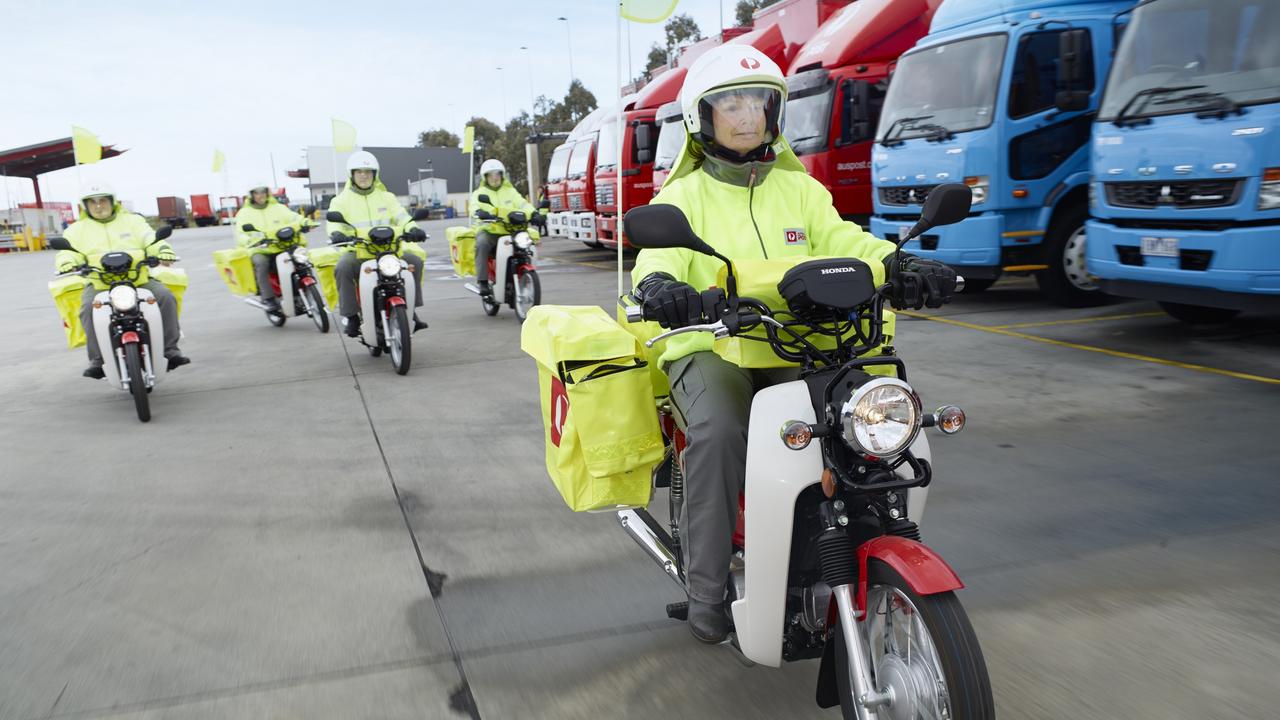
(650, 536)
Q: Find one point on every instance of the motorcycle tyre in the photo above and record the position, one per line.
(315, 308)
(521, 311)
(137, 387)
(399, 322)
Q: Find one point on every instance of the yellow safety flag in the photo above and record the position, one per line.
(86, 146)
(647, 11)
(468, 140)
(218, 160)
(344, 136)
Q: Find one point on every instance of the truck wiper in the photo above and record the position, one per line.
(897, 127)
(1210, 104)
(1141, 98)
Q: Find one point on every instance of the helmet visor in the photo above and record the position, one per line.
(741, 119)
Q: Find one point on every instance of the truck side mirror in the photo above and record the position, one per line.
(855, 116)
(644, 137)
(1072, 46)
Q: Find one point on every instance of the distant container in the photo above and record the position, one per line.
(172, 210)
(202, 211)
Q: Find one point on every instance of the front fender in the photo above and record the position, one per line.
(924, 570)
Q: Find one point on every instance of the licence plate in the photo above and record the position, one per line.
(1160, 247)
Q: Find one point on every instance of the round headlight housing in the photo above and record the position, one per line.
(881, 418)
(389, 266)
(523, 241)
(123, 298)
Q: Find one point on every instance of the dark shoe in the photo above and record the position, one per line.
(708, 622)
(353, 326)
(418, 324)
(486, 289)
(178, 361)
(95, 371)
(272, 305)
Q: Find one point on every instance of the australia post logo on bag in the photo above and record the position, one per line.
(559, 410)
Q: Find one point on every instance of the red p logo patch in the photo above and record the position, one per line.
(749, 63)
(559, 410)
(794, 236)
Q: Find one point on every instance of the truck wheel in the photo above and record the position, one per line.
(1066, 282)
(1198, 314)
(973, 287)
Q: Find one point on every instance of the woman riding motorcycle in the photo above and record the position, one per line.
(747, 195)
(105, 226)
(502, 194)
(366, 203)
(267, 216)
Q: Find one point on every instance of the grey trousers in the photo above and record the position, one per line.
(168, 314)
(486, 244)
(712, 398)
(347, 273)
(262, 264)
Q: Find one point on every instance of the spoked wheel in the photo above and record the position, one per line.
(923, 652)
(315, 308)
(401, 351)
(137, 386)
(528, 292)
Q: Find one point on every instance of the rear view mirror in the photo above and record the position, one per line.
(947, 204)
(662, 226)
(484, 199)
(335, 217)
(855, 116)
(60, 244)
(1071, 100)
(248, 227)
(545, 204)
(163, 232)
(644, 137)
(308, 210)
(1073, 57)
(421, 214)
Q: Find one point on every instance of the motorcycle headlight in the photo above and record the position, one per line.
(523, 241)
(881, 418)
(123, 298)
(980, 184)
(389, 265)
(1269, 190)
(301, 255)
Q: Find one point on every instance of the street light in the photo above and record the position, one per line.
(568, 41)
(529, 65)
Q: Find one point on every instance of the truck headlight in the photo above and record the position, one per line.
(1269, 190)
(123, 298)
(881, 418)
(389, 266)
(980, 184)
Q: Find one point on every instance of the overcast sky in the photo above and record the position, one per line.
(171, 81)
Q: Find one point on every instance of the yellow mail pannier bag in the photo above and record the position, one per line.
(643, 332)
(758, 279)
(324, 260)
(462, 249)
(236, 270)
(599, 420)
(66, 292)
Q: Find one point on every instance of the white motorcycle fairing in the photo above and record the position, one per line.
(284, 273)
(776, 475)
(501, 258)
(374, 317)
(113, 360)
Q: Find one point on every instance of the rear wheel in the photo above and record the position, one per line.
(1067, 282)
(1198, 314)
(401, 351)
(137, 386)
(315, 308)
(922, 650)
(528, 292)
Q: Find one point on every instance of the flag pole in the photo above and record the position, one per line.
(619, 142)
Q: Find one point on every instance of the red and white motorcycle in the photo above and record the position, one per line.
(293, 280)
(513, 273)
(828, 561)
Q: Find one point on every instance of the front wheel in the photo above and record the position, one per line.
(137, 386)
(315, 308)
(528, 292)
(1067, 281)
(401, 351)
(276, 319)
(490, 305)
(923, 652)
(1198, 314)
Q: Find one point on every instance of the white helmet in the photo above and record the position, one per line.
(732, 71)
(492, 165)
(362, 160)
(99, 188)
(260, 186)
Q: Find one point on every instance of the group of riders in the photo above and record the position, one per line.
(743, 191)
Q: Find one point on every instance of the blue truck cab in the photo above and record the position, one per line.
(1000, 95)
(1186, 160)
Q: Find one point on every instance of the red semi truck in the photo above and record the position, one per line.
(836, 87)
(202, 211)
(172, 211)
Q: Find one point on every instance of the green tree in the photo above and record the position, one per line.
(681, 29)
(438, 137)
(745, 9)
(657, 57)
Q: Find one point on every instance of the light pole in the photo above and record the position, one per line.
(569, 42)
(529, 65)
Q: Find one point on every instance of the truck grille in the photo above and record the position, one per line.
(905, 194)
(575, 201)
(605, 194)
(1181, 194)
(557, 203)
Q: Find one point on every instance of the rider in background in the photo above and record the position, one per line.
(267, 216)
(503, 198)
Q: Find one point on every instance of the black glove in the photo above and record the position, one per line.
(919, 282)
(415, 234)
(672, 303)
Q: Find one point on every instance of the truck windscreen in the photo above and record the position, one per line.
(1181, 56)
(670, 138)
(607, 150)
(581, 157)
(559, 164)
(953, 86)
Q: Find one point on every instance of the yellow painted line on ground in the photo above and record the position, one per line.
(1078, 321)
(1091, 348)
